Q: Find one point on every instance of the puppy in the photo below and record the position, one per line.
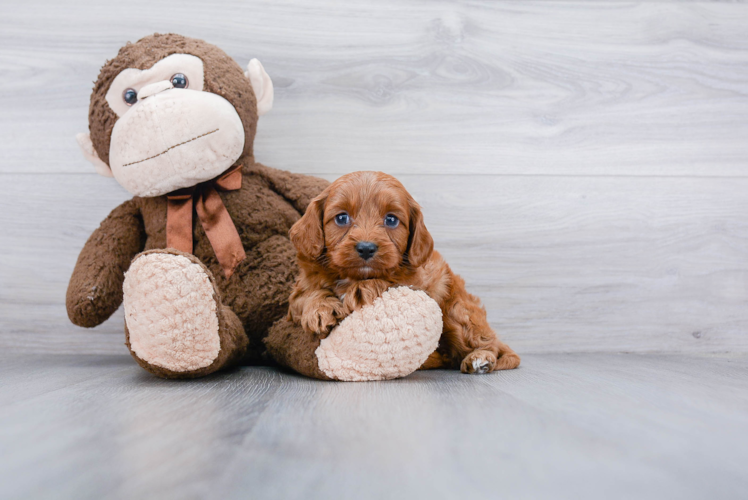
(364, 234)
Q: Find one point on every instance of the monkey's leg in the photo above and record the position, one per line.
(175, 323)
(388, 339)
(259, 291)
(293, 347)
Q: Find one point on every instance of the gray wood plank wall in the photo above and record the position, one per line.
(584, 165)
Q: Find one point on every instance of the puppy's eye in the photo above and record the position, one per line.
(130, 96)
(179, 81)
(342, 219)
(391, 221)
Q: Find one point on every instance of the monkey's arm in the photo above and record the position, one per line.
(95, 288)
(298, 189)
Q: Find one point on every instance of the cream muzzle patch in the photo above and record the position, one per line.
(169, 149)
(174, 139)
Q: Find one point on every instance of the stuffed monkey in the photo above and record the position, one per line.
(201, 255)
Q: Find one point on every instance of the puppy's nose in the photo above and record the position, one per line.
(366, 249)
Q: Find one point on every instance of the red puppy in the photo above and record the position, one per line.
(364, 234)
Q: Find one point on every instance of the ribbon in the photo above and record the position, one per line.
(216, 221)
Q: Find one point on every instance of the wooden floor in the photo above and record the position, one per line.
(562, 426)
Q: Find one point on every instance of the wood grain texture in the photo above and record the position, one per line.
(581, 164)
(593, 88)
(562, 263)
(581, 426)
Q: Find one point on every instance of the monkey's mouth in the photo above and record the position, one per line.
(171, 147)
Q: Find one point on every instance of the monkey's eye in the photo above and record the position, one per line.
(391, 221)
(179, 81)
(130, 96)
(342, 219)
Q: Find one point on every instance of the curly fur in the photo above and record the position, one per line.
(335, 281)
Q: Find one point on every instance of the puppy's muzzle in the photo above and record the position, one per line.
(366, 249)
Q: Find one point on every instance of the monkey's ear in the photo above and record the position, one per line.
(308, 235)
(420, 242)
(262, 86)
(84, 141)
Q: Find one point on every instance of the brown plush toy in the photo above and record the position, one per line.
(201, 255)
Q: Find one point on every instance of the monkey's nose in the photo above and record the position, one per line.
(366, 249)
(154, 88)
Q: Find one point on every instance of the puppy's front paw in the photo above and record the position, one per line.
(478, 362)
(363, 293)
(322, 318)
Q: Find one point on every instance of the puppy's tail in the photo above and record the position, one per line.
(507, 358)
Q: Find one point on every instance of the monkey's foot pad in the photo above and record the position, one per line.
(171, 312)
(388, 339)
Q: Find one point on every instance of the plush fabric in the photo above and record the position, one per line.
(144, 162)
(84, 141)
(223, 77)
(389, 339)
(293, 347)
(171, 312)
(160, 74)
(95, 288)
(215, 219)
(262, 86)
(263, 210)
(232, 338)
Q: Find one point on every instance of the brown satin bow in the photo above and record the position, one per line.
(213, 215)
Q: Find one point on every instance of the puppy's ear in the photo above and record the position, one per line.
(420, 242)
(307, 234)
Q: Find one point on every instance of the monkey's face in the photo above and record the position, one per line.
(170, 124)
(170, 133)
